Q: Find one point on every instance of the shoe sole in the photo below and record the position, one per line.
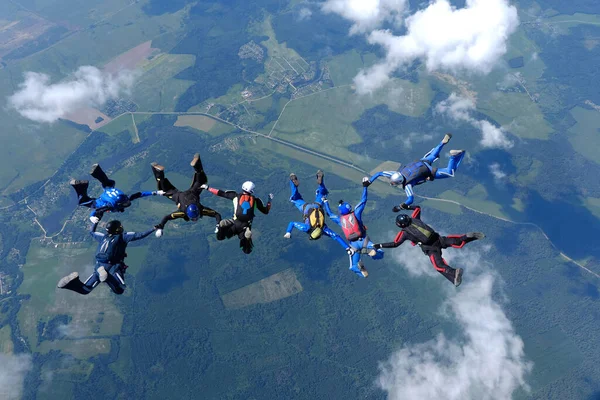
(67, 279)
(475, 235)
(320, 177)
(94, 168)
(195, 159)
(456, 152)
(102, 274)
(449, 136)
(458, 277)
(157, 167)
(248, 234)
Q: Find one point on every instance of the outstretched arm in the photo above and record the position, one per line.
(361, 206)
(170, 217)
(227, 194)
(137, 195)
(261, 206)
(96, 235)
(330, 213)
(398, 240)
(133, 236)
(336, 237)
(298, 225)
(387, 174)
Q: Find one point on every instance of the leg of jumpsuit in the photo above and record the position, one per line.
(164, 184)
(456, 241)
(355, 258)
(81, 188)
(239, 228)
(321, 192)
(435, 256)
(453, 164)
(296, 197)
(83, 288)
(433, 154)
(100, 175)
(115, 279)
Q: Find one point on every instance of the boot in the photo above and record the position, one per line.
(81, 188)
(102, 274)
(158, 171)
(294, 179)
(362, 268)
(446, 138)
(72, 282)
(458, 277)
(471, 236)
(99, 174)
(455, 153)
(196, 162)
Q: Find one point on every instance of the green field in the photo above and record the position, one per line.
(585, 133)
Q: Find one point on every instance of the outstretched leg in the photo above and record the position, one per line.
(321, 189)
(200, 177)
(458, 241)
(453, 275)
(295, 196)
(99, 174)
(456, 156)
(434, 153)
(81, 188)
(163, 183)
(72, 282)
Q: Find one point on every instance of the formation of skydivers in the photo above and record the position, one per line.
(110, 255)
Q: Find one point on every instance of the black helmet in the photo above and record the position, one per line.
(403, 220)
(114, 227)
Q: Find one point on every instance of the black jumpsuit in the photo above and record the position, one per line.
(431, 243)
(186, 198)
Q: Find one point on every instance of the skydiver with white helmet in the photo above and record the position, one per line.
(111, 199)
(188, 203)
(350, 220)
(244, 206)
(422, 171)
(110, 260)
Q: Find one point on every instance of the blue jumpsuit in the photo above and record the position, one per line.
(111, 200)
(299, 202)
(359, 243)
(115, 279)
(418, 172)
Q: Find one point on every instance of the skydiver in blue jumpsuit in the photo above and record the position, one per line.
(306, 209)
(110, 260)
(111, 199)
(355, 231)
(422, 171)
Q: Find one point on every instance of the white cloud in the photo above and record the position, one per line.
(13, 369)
(460, 108)
(472, 38)
(415, 137)
(304, 13)
(486, 362)
(367, 14)
(40, 100)
(497, 172)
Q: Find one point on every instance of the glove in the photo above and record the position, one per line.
(158, 233)
(404, 206)
(94, 220)
(270, 196)
(158, 192)
(350, 251)
(377, 246)
(396, 208)
(205, 187)
(287, 235)
(325, 199)
(366, 182)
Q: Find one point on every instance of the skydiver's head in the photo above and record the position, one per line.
(344, 208)
(193, 212)
(114, 227)
(403, 220)
(248, 187)
(396, 179)
(123, 201)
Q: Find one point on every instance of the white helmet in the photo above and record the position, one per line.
(396, 179)
(248, 187)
